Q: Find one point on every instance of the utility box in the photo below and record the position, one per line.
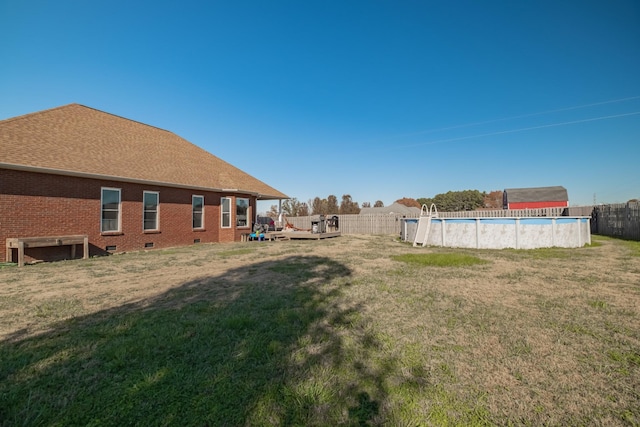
(319, 226)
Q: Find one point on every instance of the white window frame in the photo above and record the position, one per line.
(223, 213)
(247, 215)
(144, 211)
(102, 210)
(193, 212)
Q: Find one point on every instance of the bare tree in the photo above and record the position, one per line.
(493, 200)
(332, 205)
(291, 207)
(273, 211)
(348, 206)
(319, 206)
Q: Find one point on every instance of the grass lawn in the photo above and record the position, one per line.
(352, 331)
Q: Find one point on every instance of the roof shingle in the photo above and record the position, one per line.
(537, 194)
(80, 140)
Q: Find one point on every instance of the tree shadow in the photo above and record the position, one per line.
(234, 349)
(365, 411)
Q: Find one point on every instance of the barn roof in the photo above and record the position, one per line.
(537, 194)
(81, 141)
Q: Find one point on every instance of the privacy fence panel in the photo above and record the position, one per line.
(617, 220)
(356, 224)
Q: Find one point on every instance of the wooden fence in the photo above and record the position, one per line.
(356, 224)
(618, 220)
(391, 224)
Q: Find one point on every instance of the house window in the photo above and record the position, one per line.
(150, 210)
(110, 209)
(242, 212)
(197, 203)
(225, 204)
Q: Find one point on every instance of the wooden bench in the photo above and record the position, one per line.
(21, 243)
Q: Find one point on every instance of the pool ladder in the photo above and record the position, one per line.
(424, 224)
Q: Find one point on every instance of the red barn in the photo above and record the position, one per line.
(535, 198)
(78, 171)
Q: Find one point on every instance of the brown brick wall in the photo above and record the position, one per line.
(36, 204)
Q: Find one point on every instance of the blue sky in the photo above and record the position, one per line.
(376, 99)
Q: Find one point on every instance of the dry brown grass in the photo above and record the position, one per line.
(533, 337)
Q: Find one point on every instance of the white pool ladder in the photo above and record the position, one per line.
(424, 224)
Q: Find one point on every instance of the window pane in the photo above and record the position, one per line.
(110, 221)
(226, 212)
(110, 210)
(198, 210)
(110, 198)
(197, 220)
(197, 203)
(150, 220)
(242, 209)
(150, 211)
(150, 201)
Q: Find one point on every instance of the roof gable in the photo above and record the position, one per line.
(80, 140)
(536, 194)
(394, 208)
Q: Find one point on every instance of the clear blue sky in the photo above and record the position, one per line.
(376, 99)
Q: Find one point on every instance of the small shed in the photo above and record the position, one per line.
(535, 198)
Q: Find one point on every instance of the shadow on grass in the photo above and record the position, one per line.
(247, 347)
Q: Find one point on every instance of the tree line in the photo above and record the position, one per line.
(451, 201)
(318, 206)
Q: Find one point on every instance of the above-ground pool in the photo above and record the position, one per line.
(501, 233)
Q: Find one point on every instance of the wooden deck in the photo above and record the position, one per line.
(293, 235)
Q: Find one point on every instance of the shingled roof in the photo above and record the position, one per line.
(81, 141)
(537, 194)
(394, 208)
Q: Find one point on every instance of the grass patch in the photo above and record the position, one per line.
(633, 247)
(8, 264)
(144, 362)
(58, 308)
(439, 259)
(547, 253)
(236, 252)
(342, 336)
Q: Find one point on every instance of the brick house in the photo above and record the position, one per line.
(129, 186)
(535, 198)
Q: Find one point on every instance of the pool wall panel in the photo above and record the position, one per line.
(501, 233)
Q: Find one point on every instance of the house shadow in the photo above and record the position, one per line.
(231, 349)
